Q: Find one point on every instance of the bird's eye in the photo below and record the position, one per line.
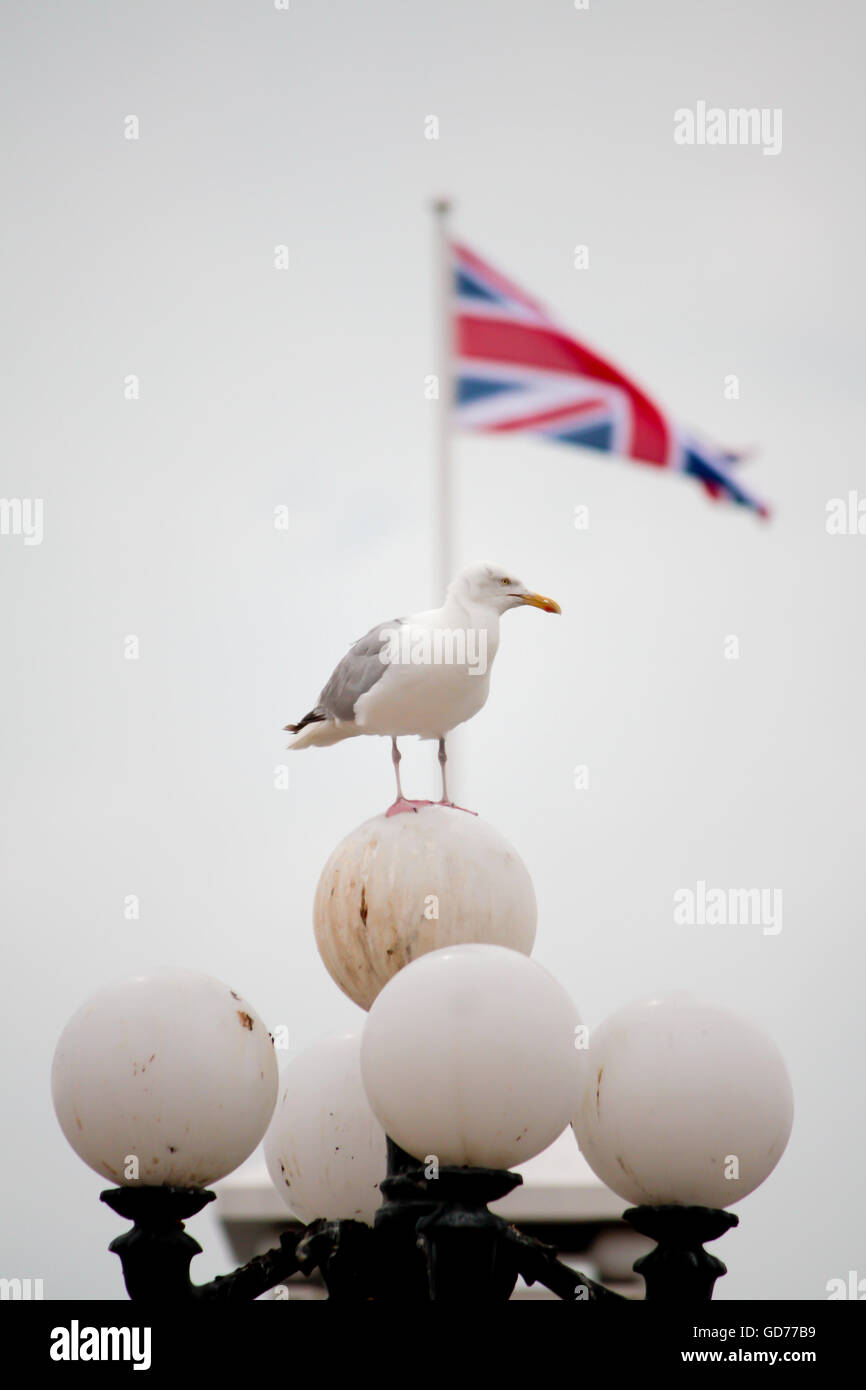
(505, 581)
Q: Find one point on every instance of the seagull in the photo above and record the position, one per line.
(423, 674)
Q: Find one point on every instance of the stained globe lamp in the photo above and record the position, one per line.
(325, 1149)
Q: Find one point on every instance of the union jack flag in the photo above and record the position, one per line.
(518, 370)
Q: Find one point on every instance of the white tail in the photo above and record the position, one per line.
(321, 733)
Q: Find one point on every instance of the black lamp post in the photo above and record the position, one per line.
(433, 1240)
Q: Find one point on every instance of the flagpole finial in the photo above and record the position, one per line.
(442, 206)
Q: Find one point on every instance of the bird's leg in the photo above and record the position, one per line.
(443, 758)
(395, 759)
(401, 804)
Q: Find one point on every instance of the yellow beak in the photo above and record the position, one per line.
(549, 605)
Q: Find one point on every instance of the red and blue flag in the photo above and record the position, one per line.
(517, 370)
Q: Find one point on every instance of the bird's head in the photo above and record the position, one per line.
(498, 589)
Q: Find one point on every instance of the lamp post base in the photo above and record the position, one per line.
(434, 1240)
(156, 1253)
(679, 1270)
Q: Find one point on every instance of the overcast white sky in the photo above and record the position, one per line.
(259, 388)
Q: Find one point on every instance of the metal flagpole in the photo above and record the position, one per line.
(444, 298)
(444, 566)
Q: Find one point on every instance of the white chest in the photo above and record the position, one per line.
(438, 677)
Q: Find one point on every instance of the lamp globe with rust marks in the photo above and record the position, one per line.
(325, 1149)
(399, 887)
(167, 1079)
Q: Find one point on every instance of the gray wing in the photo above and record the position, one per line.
(357, 673)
